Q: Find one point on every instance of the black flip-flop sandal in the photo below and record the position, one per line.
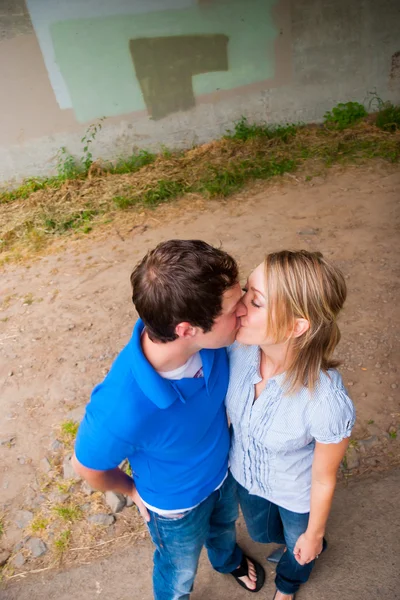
(243, 571)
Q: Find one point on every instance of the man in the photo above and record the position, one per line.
(162, 407)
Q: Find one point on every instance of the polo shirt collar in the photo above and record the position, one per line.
(162, 392)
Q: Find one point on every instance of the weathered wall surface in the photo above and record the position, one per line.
(178, 72)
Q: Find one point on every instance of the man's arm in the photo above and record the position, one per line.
(114, 480)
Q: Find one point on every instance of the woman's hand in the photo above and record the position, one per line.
(307, 548)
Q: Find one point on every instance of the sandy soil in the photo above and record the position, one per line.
(65, 317)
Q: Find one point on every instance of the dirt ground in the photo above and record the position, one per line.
(64, 317)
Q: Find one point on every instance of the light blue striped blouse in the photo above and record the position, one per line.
(273, 439)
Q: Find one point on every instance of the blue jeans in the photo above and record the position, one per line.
(179, 541)
(269, 523)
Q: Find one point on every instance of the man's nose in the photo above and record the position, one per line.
(241, 309)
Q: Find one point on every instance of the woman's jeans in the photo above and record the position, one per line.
(271, 524)
(179, 541)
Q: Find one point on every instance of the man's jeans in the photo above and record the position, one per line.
(179, 542)
(271, 524)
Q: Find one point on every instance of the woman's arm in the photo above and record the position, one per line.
(327, 458)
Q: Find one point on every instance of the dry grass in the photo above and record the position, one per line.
(216, 169)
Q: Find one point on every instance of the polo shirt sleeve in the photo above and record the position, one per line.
(333, 417)
(97, 445)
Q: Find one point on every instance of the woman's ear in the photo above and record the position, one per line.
(300, 327)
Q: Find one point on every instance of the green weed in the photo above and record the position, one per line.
(393, 435)
(67, 435)
(344, 115)
(68, 513)
(39, 523)
(223, 182)
(243, 130)
(67, 166)
(88, 139)
(164, 190)
(388, 117)
(62, 542)
(132, 163)
(69, 429)
(77, 219)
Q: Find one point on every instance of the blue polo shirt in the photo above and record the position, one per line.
(174, 433)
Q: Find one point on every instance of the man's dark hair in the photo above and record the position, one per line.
(178, 281)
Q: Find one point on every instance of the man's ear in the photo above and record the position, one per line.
(300, 327)
(185, 330)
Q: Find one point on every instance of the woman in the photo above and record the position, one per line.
(290, 413)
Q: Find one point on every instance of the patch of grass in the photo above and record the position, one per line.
(68, 430)
(132, 163)
(127, 468)
(67, 166)
(68, 513)
(28, 187)
(39, 523)
(63, 488)
(393, 435)
(243, 130)
(62, 542)
(28, 299)
(218, 169)
(370, 422)
(75, 220)
(124, 202)
(2, 528)
(388, 117)
(162, 191)
(223, 182)
(344, 115)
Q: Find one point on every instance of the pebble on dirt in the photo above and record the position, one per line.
(45, 466)
(368, 443)
(4, 556)
(352, 458)
(101, 519)
(18, 560)
(56, 445)
(36, 546)
(115, 501)
(8, 439)
(68, 471)
(308, 231)
(23, 518)
(87, 489)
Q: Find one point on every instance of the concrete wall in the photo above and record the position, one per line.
(178, 72)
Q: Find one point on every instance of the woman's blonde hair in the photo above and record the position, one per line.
(304, 285)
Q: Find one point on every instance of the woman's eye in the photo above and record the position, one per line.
(254, 304)
(245, 290)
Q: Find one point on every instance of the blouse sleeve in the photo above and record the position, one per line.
(333, 417)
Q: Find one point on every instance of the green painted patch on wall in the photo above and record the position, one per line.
(105, 78)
